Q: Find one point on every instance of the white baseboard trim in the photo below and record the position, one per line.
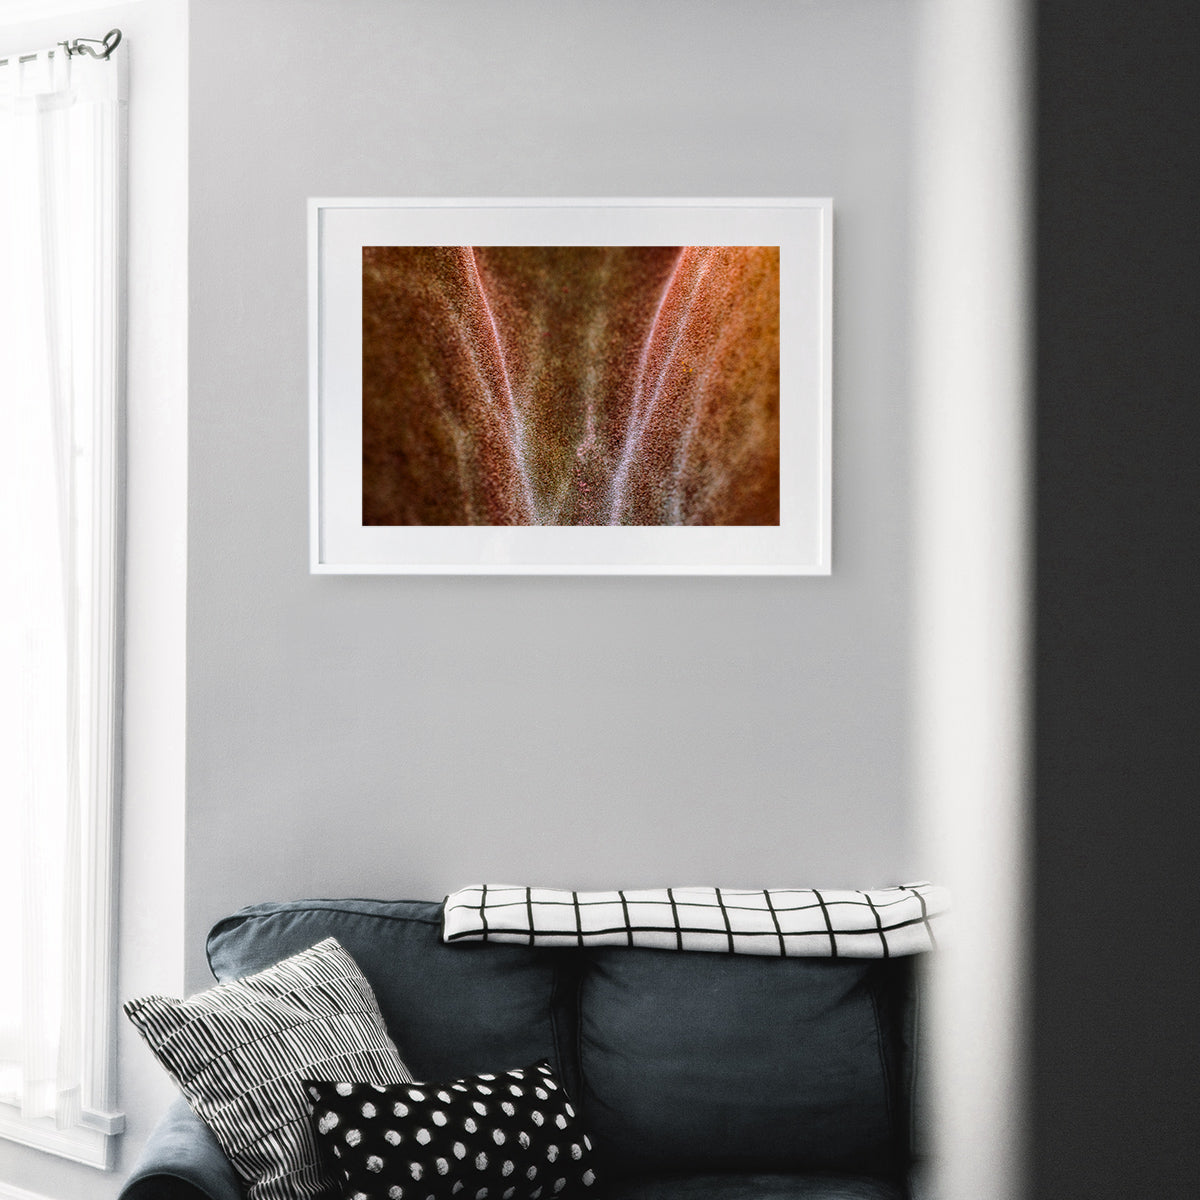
(9, 1192)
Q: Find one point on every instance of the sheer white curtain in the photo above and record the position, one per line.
(58, 388)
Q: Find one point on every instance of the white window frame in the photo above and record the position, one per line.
(92, 1140)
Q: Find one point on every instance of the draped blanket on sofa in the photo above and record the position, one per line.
(788, 922)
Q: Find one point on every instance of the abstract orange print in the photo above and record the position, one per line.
(570, 385)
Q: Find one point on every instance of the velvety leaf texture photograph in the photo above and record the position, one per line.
(580, 385)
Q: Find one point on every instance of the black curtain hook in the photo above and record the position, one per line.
(110, 41)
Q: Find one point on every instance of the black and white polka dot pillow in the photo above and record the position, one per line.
(508, 1136)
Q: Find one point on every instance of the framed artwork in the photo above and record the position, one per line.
(570, 386)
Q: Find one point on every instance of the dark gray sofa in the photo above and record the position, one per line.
(698, 1076)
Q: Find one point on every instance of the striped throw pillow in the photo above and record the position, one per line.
(240, 1050)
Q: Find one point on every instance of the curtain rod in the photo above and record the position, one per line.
(106, 45)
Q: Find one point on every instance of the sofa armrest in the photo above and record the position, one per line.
(182, 1161)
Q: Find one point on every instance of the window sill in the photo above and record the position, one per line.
(91, 1142)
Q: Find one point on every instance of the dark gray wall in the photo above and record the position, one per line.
(406, 735)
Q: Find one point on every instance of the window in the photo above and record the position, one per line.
(60, 388)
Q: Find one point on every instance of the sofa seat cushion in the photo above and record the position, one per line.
(699, 1062)
(451, 1010)
(729, 1186)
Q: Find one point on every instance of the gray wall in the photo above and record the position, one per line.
(403, 736)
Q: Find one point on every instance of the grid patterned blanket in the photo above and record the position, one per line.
(791, 922)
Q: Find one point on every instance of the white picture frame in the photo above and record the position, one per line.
(340, 543)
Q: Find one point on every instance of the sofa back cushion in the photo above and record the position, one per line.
(451, 1010)
(694, 1061)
